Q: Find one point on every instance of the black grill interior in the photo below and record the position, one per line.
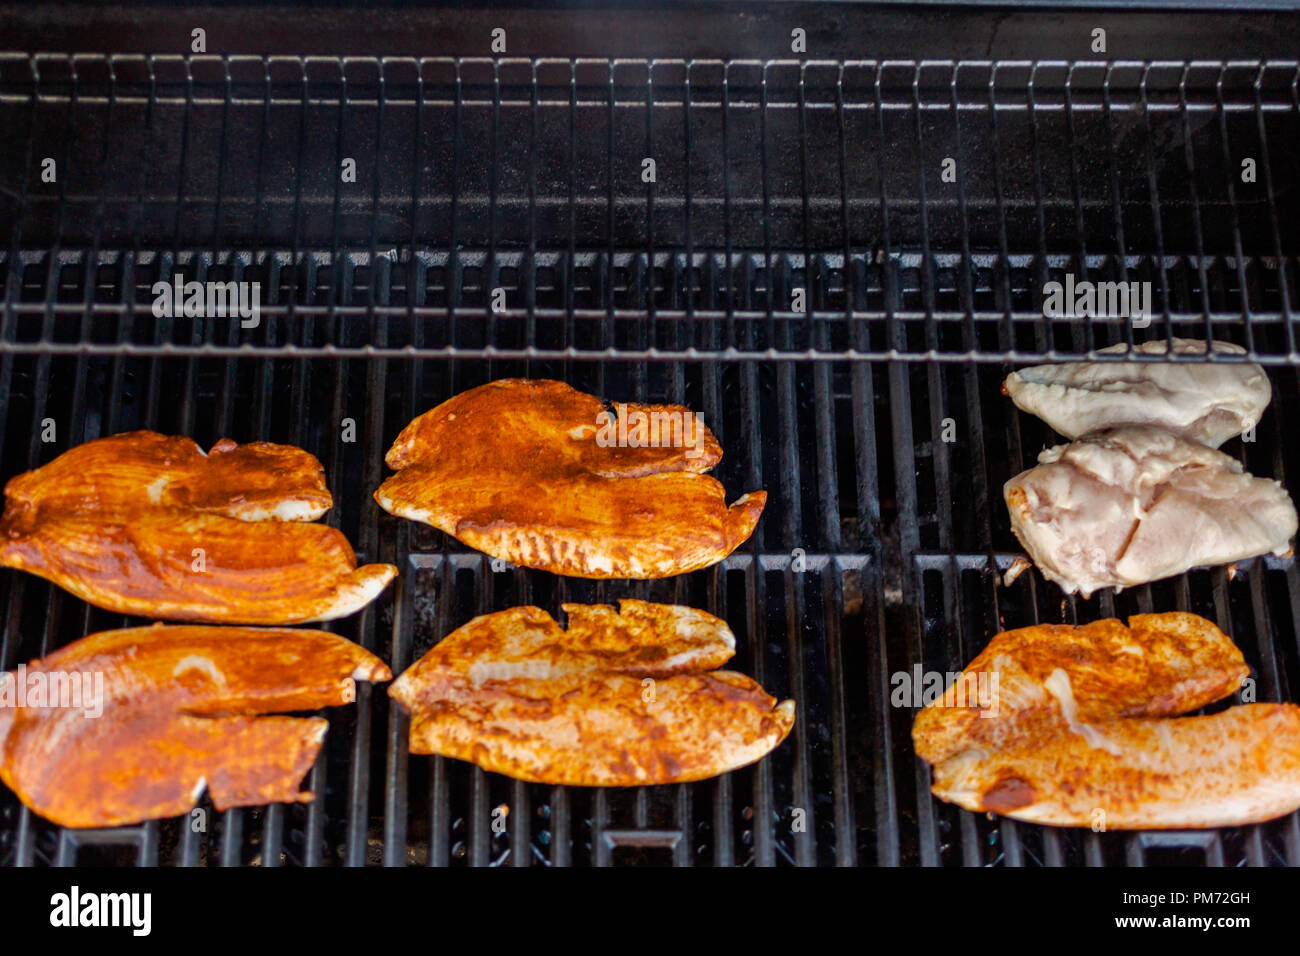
(882, 544)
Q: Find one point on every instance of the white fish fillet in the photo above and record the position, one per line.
(1130, 505)
(1207, 402)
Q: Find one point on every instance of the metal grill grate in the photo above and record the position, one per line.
(770, 177)
(881, 543)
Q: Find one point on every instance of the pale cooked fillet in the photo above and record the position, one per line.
(177, 713)
(1207, 402)
(1135, 504)
(146, 524)
(514, 468)
(1235, 767)
(619, 699)
(1160, 664)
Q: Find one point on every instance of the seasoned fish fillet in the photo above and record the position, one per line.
(1206, 402)
(1235, 767)
(1080, 731)
(1130, 505)
(516, 469)
(1160, 665)
(174, 711)
(143, 523)
(619, 699)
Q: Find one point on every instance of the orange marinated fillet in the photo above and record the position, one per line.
(620, 698)
(1076, 730)
(521, 470)
(1159, 665)
(1231, 768)
(146, 524)
(172, 712)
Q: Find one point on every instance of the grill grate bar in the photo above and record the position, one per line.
(1117, 203)
(52, 77)
(1082, 331)
(1199, 231)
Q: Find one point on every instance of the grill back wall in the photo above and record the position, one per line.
(883, 543)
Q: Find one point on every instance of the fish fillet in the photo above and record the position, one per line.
(179, 714)
(1159, 665)
(514, 469)
(1206, 402)
(1130, 505)
(1084, 730)
(1231, 768)
(618, 699)
(146, 524)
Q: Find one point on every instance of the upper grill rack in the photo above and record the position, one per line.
(882, 542)
(788, 198)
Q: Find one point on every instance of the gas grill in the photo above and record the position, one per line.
(803, 265)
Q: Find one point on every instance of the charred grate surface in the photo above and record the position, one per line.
(882, 543)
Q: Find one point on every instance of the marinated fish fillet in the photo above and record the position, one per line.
(516, 469)
(621, 698)
(1206, 402)
(1083, 730)
(178, 713)
(1159, 665)
(1130, 505)
(146, 524)
(1231, 768)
